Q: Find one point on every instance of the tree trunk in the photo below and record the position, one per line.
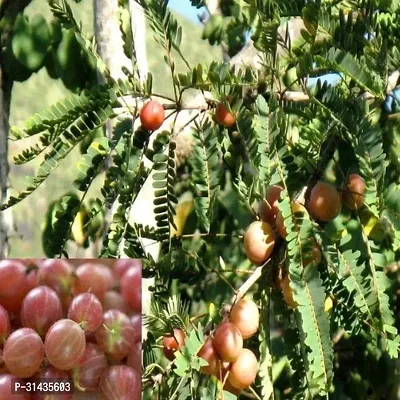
(138, 23)
(5, 216)
(8, 12)
(109, 37)
(110, 48)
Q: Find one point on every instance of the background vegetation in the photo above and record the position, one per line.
(41, 91)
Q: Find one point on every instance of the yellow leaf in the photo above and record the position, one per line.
(183, 211)
(77, 230)
(372, 225)
(212, 310)
(328, 306)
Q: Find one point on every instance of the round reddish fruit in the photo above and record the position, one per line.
(174, 342)
(40, 309)
(316, 255)
(90, 278)
(5, 326)
(122, 265)
(135, 358)
(12, 303)
(131, 288)
(288, 292)
(353, 195)
(325, 202)
(111, 280)
(114, 301)
(65, 344)
(259, 242)
(23, 352)
(223, 116)
(56, 274)
(152, 115)
(120, 382)
(268, 207)
(32, 279)
(208, 353)
(116, 336)
(87, 311)
(12, 277)
(296, 208)
(7, 382)
(246, 317)
(92, 365)
(244, 370)
(136, 322)
(228, 341)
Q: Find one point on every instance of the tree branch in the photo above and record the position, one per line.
(139, 39)
(8, 12)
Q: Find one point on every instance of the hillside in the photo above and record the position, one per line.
(40, 91)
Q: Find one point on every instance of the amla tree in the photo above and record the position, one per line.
(327, 287)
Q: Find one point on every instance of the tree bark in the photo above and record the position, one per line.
(5, 216)
(110, 48)
(138, 23)
(8, 12)
(109, 37)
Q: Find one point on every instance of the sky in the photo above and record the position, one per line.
(184, 8)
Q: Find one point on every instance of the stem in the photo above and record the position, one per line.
(230, 271)
(338, 336)
(254, 393)
(191, 235)
(196, 317)
(163, 96)
(249, 283)
(225, 280)
(175, 394)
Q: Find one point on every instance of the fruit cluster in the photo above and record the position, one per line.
(152, 115)
(75, 320)
(324, 204)
(223, 349)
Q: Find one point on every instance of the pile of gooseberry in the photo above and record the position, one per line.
(223, 349)
(76, 321)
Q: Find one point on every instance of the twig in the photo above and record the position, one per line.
(300, 198)
(196, 317)
(175, 394)
(249, 283)
(190, 235)
(225, 280)
(231, 271)
(254, 393)
(338, 336)
(298, 97)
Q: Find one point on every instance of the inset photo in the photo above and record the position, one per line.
(70, 329)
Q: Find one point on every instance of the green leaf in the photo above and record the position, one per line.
(206, 174)
(30, 41)
(337, 60)
(59, 218)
